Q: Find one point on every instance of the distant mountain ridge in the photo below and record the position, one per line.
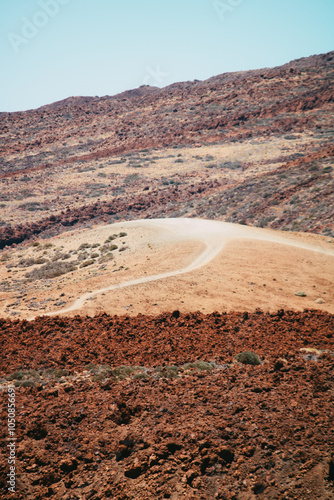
(262, 105)
(230, 106)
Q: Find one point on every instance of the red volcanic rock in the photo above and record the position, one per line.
(143, 340)
(233, 431)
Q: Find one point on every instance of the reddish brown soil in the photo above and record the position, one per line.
(235, 432)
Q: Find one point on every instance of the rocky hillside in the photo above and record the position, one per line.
(164, 407)
(292, 190)
(231, 106)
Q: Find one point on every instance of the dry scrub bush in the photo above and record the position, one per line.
(50, 270)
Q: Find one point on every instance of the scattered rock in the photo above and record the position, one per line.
(68, 465)
(60, 303)
(190, 476)
(279, 363)
(37, 432)
(301, 294)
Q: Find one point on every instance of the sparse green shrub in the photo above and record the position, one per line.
(294, 199)
(248, 358)
(33, 373)
(92, 367)
(123, 371)
(54, 373)
(117, 162)
(105, 258)
(198, 365)
(25, 383)
(16, 376)
(23, 378)
(31, 262)
(131, 178)
(100, 371)
(99, 376)
(83, 246)
(96, 245)
(231, 164)
(264, 221)
(167, 371)
(60, 256)
(5, 257)
(24, 193)
(87, 263)
(95, 186)
(179, 160)
(33, 206)
(122, 235)
(290, 137)
(94, 255)
(140, 376)
(50, 270)
(83, 256)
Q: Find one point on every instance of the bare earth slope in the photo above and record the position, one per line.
(159, 264)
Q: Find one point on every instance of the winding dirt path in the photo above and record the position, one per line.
(213, 234)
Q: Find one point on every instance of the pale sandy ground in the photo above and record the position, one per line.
(191, 264)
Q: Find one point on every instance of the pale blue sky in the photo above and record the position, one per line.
(53, 49)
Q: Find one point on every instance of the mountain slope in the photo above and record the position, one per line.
(277, 121)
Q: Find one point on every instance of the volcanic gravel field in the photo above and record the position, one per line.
(158, 407)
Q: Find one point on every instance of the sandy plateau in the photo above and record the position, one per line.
(164, 264)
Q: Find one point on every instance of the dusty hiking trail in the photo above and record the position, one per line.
(213, 235)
